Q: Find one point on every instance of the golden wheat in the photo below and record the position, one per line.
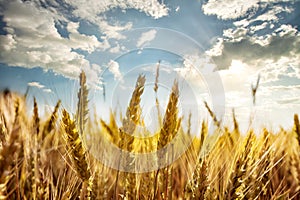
(224, 164)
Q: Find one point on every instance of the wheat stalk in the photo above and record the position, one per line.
(254, 89)
(203, 135)
(50, 124)
(156, 78)
(236, 129)
(198, 185)
(133, 112)
(82, 105)
(156, 97)
(236, 185)
(297, 128)
(36, 152)
(258, 169)
(213, 116)
(167, 132)
(129, 123)
(9, 154)
(36, 119)
(75, 147)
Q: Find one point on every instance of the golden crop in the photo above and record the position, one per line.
(48, 159)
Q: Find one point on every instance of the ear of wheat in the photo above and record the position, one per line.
(75, 147)
(132, 119)
(297, 127)
(170, 120)
(82, 106)
(167, 133)
(254, 89)
(198, 185)
(36, 119)
(213, 116)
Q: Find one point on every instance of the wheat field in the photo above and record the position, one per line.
(48, 158)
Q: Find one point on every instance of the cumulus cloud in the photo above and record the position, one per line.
(228, 9)
(146, 38)
(284, 42)
(47, 90)
(259, 27)
(114, 68)
(83, 42)
(39, 86)
(111, 31)
(238, 76)
(194, 66)
(36, 84)
(235, 34)
(270, 15)
(92, 8)
(244, 42)
(39, 44)
(284, 68)
(234, 9)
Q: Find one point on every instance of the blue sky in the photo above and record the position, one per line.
(215, 48)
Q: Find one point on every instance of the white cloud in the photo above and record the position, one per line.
(93, 12)
(47, 90)
(111, 31)
(114, 68)
(36, 84)
(216, 49)
(238, 77)
(262, 26)
(96, 68)
(194, 66)
(235, 35)
(234, 9)
(39, 86)
(83, 42)
(229, 9)
(269, 16)
(146, 38)
(92, 8)
(33, 41)
(286, 29)
(284, 72)
(255, 50)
